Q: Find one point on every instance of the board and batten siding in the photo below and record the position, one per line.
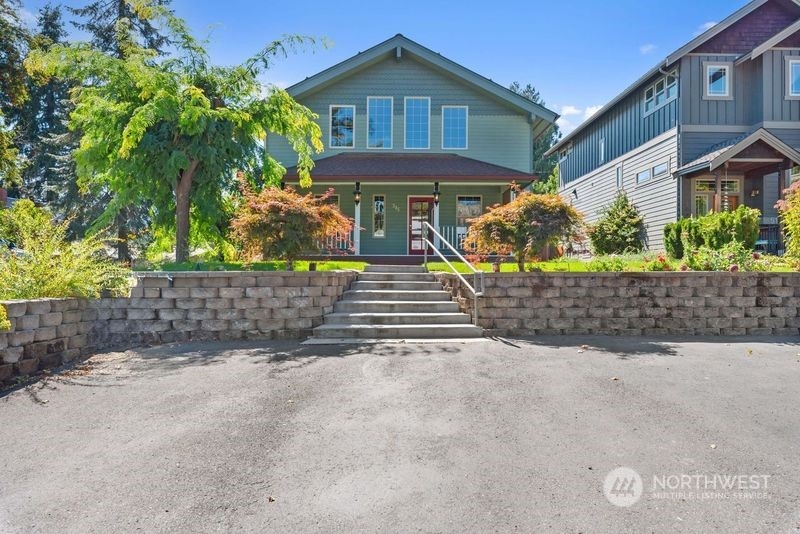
(656, 199)
(742, 110)
(622, 129)
(497, 133)
(696, 144)
(776, 106)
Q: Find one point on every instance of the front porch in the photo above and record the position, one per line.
(751, 171)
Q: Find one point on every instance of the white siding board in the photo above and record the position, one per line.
(656, 199)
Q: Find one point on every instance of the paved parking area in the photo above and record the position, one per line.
(501, 435)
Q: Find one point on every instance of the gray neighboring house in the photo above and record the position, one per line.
(714, 125)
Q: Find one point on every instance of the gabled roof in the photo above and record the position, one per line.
(665, 64)
(392, 166)
(541, 117)
(771, 42)
(720, 155)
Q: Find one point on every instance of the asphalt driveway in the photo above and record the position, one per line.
(493, 436)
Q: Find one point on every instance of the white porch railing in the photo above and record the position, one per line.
(341, 244)
(454, 235)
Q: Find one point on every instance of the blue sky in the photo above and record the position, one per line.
(578, 54)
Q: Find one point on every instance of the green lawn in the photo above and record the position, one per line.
(301, 266)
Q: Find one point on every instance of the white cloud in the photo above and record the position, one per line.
(648, 48)
(591, 110)
(570, 110)
(705, 27)
(565, 125)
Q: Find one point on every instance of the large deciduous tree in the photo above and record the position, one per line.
(523, 226)
(172, 132)
(542, 166)
(13, 44)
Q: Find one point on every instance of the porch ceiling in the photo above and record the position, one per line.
(391, 167)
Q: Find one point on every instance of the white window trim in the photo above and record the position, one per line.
(602, 150)
(647, 180)
(470, 196)
(659, 175)
(330, 127)
(672, 74)
(728, 66)
(405, 122)
(619, 174)
(466, 126)
(391, 124)
(385, 216)
(335, 195)
(790, 61)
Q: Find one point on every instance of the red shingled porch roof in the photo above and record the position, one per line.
(391, 167)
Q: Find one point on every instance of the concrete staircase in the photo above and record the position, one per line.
(395, 302)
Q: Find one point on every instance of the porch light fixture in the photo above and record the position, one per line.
(575, 193)
(436, 193)
(357, 194)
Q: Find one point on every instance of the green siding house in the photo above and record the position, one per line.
(411, 136)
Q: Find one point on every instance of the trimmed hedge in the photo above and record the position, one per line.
(714, 231)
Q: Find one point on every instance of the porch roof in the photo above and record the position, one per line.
(410, 168)
(741, 152)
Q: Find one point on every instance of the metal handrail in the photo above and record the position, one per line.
(476, 288)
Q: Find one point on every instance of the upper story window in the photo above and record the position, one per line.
(454, 127)
(342, 126)
(793, 78)
(379, 121)
(663, 91)
(660, 170)
(602, 150)
(718, 81)
(418, 122)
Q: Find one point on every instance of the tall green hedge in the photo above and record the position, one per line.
(714, 231)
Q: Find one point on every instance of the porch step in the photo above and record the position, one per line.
(362, 285)
(391, 294)
(396, 277)
(395, 269)
(368, 331)
(397, 306)
(383, 318)
(395, 302)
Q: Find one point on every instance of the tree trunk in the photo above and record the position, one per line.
(123, 251)
(521, 262)
(183, 203)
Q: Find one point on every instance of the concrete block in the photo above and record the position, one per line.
(70, 355)
(311, 291)
(173, 336)
(175, 292)
(27, 367)
(21, 338)
(573, 313)
(11, 354)
(560, 323)
(45, 333)
(152, 293)
(78, 342)
(37, 307)
(185, 326)
(171, 315)
(186, 281)
(3, 341)
(154, 281)
(137, 292)
(258, 292)
(311, 312)
(219, 304)
(275, 303)
(759, 332)
(745, 322)
(706, 312)
(246, 303)
(718, 302)
(88, 315)
(731, 312)
(288, 292)
(67, 330)
(285, 313)
(152, 326)
(231, 292)
(772, 322)
(214, 325)
(229, 314)
(190, 304)
(257, 313)
(758, 312)
(6, 371)
(733, 331)
(733, 291)
(301, 302)
(627, 313)
(242, 281)
(119, 326)
(204, 292)
(152, 304)
(28, 322)
(743, 302)
(217, 281)
(61, 305)
(201, 314)
(119, 313)
(15, 308)
(271, 325)
(135, 314)
(719, 322)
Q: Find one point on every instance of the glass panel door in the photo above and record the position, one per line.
(420, 209)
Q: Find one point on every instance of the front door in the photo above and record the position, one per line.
(420, 209)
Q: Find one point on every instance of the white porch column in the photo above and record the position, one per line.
(436, 225)
(357, 230)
